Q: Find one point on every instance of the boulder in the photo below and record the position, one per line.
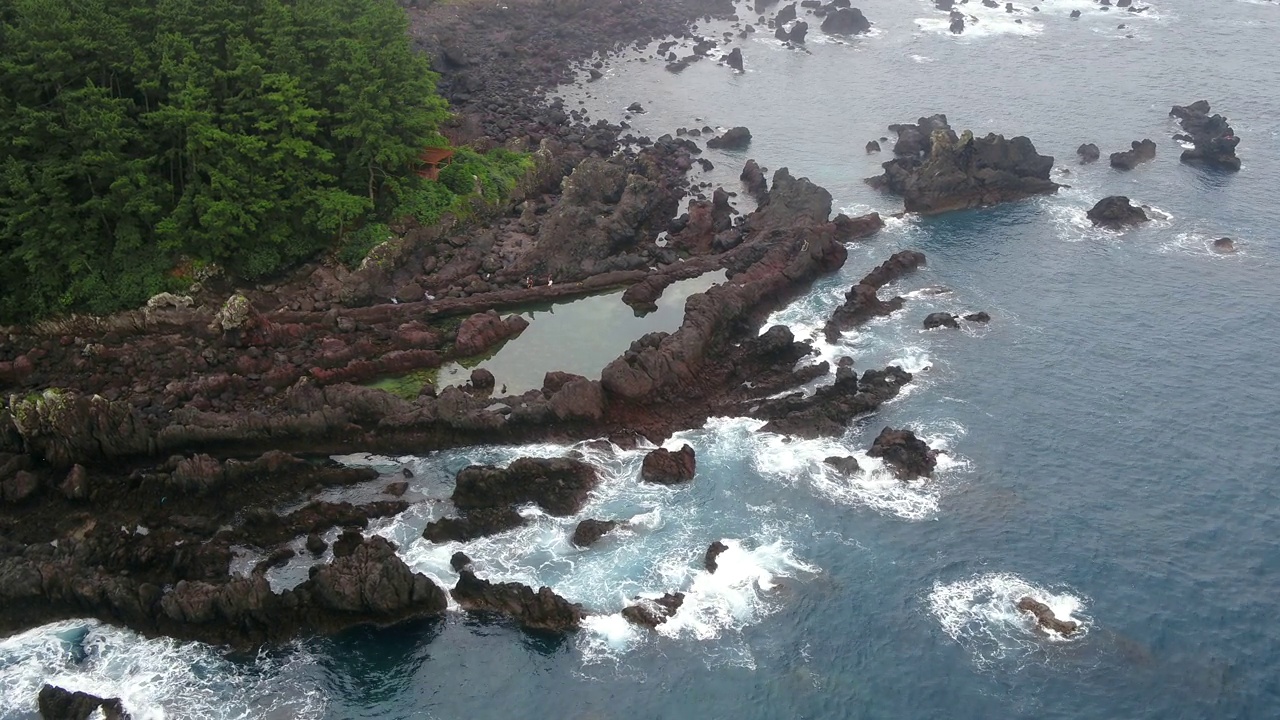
(542, 610)
(845, 465)
(979, 317)
(459, 560)
(1088, 153)
(19, 487)
(76, 485)
(591, 530)
(957, 22)
(1116, 212)
(669, 468)
(651, 613)
(1045, 618)
(909, 456)
(941, 319)
(714, 551)
(873, 147)
(482, 380)
(1142, 151)
(737, 138)
(1224, 245)
(846, 21)
(483, 331)
(316, 544)
(785, 15)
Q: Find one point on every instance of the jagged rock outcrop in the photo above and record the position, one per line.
(909, 456)
(828, 411)
(846, 21)
(1045, 617)
(714, 550)
(59, 704)
(477, 523)
(1141, 152)
(589, 531)
(542, 610)
(861, 302)
(558, 485)
(961, 172)
(753, 178)
(1116, 212)
(664, 467)
(652, 612)
(1215, 142)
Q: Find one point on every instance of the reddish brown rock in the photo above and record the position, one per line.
(669, 468)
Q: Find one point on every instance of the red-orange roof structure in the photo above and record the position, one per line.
(433, 159)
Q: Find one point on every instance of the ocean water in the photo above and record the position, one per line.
(1110, 435)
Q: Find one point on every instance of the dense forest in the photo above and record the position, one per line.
(141, 140)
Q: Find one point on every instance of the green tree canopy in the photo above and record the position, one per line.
(251, 133)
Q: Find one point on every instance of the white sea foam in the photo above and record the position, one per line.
(981, 614)
(154, 678)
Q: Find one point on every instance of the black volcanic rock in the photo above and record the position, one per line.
(59, 704)
(861, 302)
(846, 21)
(1215, 141)
(908, 455)
(1116, 212)
(1142, 151)
(737, 138)
(559, 485)
(1088, 153)
(591, 530)
(941, 319)
(936, 171)
(713, 551)
(542, 610)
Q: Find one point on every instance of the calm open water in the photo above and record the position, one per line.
(1111, 434)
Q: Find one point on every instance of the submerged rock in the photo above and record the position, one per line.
(1224, 245)
(941, 319)
(845, 465)
(1142, 151)
(980, 317)
(1116, 212)
(1045, 618)
(827, 412)
(669, 468)
(477, 523)
(908, 455)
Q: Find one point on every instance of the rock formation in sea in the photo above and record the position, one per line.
(589, 531)
(651, 613)
(542, 610)
(935, 170)
(59, 704)
(664, 467)
(1045, 617)
(736, 138)
(846, 21)
(714, 550)
(1215, 142)
(1116, 212)
(1141, 152)
(861, 302)
(909, 456)
(1088, 153)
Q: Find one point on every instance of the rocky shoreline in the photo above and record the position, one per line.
(136, 450)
